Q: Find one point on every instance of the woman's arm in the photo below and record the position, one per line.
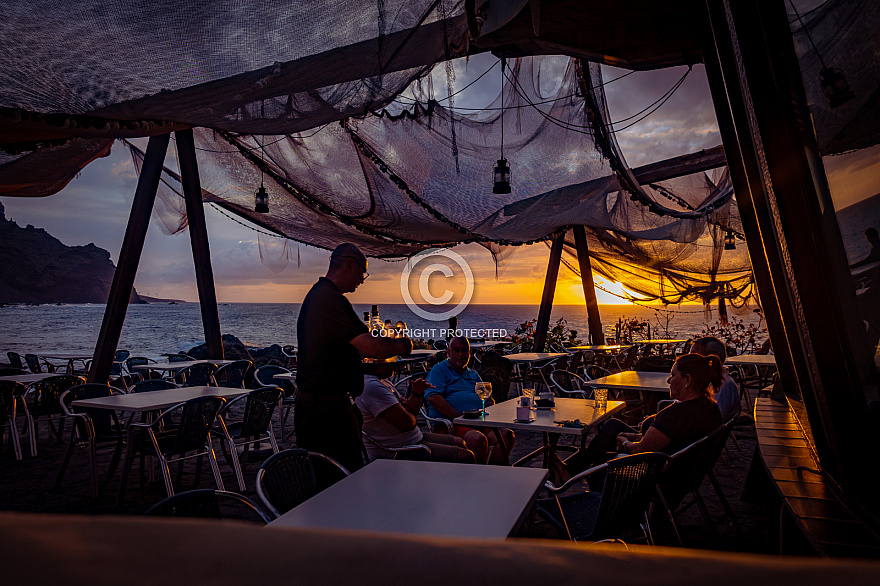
(654, 440)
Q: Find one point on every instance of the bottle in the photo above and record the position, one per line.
(401, 329)
(367, 319)
(375, 322)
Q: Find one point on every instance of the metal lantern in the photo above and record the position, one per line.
(729, 241)
(834, 86)
(502, 177)
(261, 200)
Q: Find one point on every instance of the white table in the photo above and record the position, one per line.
(175, 366)
(424, 352)
(503, 415)
(423, 498)
(633, 380)
(28, 379)
(487, 344)
(291, 376)
(599, 348)
(533, 356)
(69, 358)
(157, 400)
(752, 360)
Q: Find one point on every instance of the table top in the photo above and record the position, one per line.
(28, 378)
(423, 498)
(62, 356)
(659, 341)
(424, 352)
(487, 344)
(600, 347)
(752, 359)
(285, 376)
(155, 400)
(504, 415)
(533, 356)
(633, 380)
(172, 366)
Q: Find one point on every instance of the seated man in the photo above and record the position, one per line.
(727, 397)
(452, 393)
(391, 420)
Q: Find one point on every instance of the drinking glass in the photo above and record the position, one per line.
(484, 391)
(601, 398)
(529, 393)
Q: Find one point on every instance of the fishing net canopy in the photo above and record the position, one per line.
(330, 105)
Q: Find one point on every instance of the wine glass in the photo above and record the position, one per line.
(484, 391)
(529, 393)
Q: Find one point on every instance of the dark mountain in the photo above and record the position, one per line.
(36, 267)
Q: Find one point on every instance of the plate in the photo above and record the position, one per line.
(544, 408)
(472, 414)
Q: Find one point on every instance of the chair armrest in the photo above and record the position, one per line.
(553, 489)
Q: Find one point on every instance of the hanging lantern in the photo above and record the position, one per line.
(729, 241)
(835, 86)
(261, 200)
(502, 177)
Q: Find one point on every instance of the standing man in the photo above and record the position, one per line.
(331, 338)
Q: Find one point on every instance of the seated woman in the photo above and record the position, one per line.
(694, 415)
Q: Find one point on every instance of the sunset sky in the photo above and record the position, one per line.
(95, 207)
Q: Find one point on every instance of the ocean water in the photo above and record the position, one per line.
(157, 329)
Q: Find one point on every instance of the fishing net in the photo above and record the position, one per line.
(330, 106)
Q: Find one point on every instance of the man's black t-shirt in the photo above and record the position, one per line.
(327, 363)
(687, 421)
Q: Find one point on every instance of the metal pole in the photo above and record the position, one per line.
(198, 235)
(129, 257)
(549, 291)
(597, 336)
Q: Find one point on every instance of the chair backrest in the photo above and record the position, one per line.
(133, 361)
(574, 362)
(180, 357)
(150, 385)
(47, 392)
(628, 357)
(118, 359)
(440, 345)
(121, 355)
(209, 504)
(9, 390)
(496, 369)
(593, 372)
(15, 360)
(686, 470)
(104, 421)
(258, 409)
(568, 382)
(233, 374)
(626, 493)
(291, 477)
(197, 375)
(196, 418)
(264, 375)
(33, 363)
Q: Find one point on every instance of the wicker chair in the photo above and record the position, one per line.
(35, 364)
(15, 360)
(132, 361)
(208, 503)
(234, 374)
(621, 505)
(46, 399)
(292, 477)
(265, 377)
(197, 375)
(188, 437)
(254, 426)
(11, 393)
(93, 428)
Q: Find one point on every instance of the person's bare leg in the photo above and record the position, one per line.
(478, 444)
(500, 454)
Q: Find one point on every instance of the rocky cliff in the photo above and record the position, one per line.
(36, 267)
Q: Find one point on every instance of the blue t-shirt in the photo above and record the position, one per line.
(457, 389)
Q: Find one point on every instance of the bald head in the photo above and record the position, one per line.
(348, 267)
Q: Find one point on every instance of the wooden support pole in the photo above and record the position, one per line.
(198, 234)
(549, 291)
(722, 310)
(129, 257)
(597, 336)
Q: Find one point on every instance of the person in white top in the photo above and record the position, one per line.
(391, 420)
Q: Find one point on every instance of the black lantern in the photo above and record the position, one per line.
(835, 86)
(502, 177)
(729, 241)
(261, 200)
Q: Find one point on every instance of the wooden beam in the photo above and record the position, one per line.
(129, 257)
(684, 165)
(198, 234)
(597, 336)
(549, 291)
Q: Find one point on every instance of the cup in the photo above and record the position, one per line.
(601, 398)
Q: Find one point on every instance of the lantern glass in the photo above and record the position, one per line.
(261, 200)
(501, 177)
(729, 241)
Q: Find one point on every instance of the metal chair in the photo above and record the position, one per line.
(621, 505)
(289, 353)
(148, 386)
(433, 421)
(91, 427)
(197, 375)
(132, 361)
(593, 372)
(265, 377)
(412, 448)
(254, 427)
(46, 396)
(186, 438)
(568, 384)
(208, 503)
(291, 477)
(233, 374)
(11, 393)
(179, 357)
(35, 364)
